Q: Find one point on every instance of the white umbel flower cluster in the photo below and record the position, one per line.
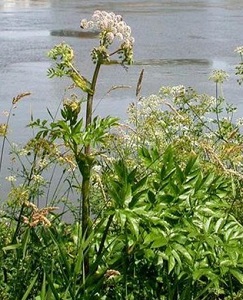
(111, 25)
(239, 50)
(111, 28)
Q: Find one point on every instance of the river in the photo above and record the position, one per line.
(177, 42)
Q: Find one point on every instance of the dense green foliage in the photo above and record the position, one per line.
(149, 209)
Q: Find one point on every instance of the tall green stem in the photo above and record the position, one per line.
(86, 173)
(90, 97)
(217, 110)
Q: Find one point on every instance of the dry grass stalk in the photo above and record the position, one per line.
(38, 216)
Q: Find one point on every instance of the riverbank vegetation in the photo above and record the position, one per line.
(148, 208)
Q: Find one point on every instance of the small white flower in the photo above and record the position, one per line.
(43, 163)
(240, 122)
(121, 27)
(38, 179)
(90, 24)
(110, 37)
(97, 169)
(128, 31)
(84, 24)
(10, 178)
(219, 76)
(127, 44)
(6, 113)
(23, 152)
(119, 36)
(178, 92)
(239, 50)
(114, 30)
(118, 18)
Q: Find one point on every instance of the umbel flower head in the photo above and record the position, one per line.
(218, 76)
(239, 50)
(111, 28)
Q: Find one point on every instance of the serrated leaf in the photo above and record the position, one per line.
(207, 224)
(190, 167)
(136, 198)
(228, 233)
(237, 274)
(134, 226)
(219, 224)
(171, 263)
(151, 197)
(176, 256)
(159, 242)
(12, 247)
(30, 287)
(183, 251)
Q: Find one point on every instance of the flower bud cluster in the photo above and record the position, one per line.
(111, 27)
(239, 67)
(239, 50)
(73, 105)
(218, 76)
(3, 129)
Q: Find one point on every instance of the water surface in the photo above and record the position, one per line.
(177, 42)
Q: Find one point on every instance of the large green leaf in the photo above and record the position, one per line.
(30, 287)
(237, 274)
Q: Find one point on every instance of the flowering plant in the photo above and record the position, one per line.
(83, 139)
(111, 27)
(239, 67)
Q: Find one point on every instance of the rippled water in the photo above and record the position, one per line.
(177, 42)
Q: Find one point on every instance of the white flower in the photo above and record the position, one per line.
(239, 50)
(23, 152)
(119, 36)
(240, 122)
(6, 113)
(107, 23)
(218, 76)
(10, 178)
(119, 18)
(110, 37)
(128, 31)
(84, 24)
(43, 163)
(111, 27)
(97, 169)
(38, 179)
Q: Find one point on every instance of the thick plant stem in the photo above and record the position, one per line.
(86, 173)
(86, 219)
(89, 107)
